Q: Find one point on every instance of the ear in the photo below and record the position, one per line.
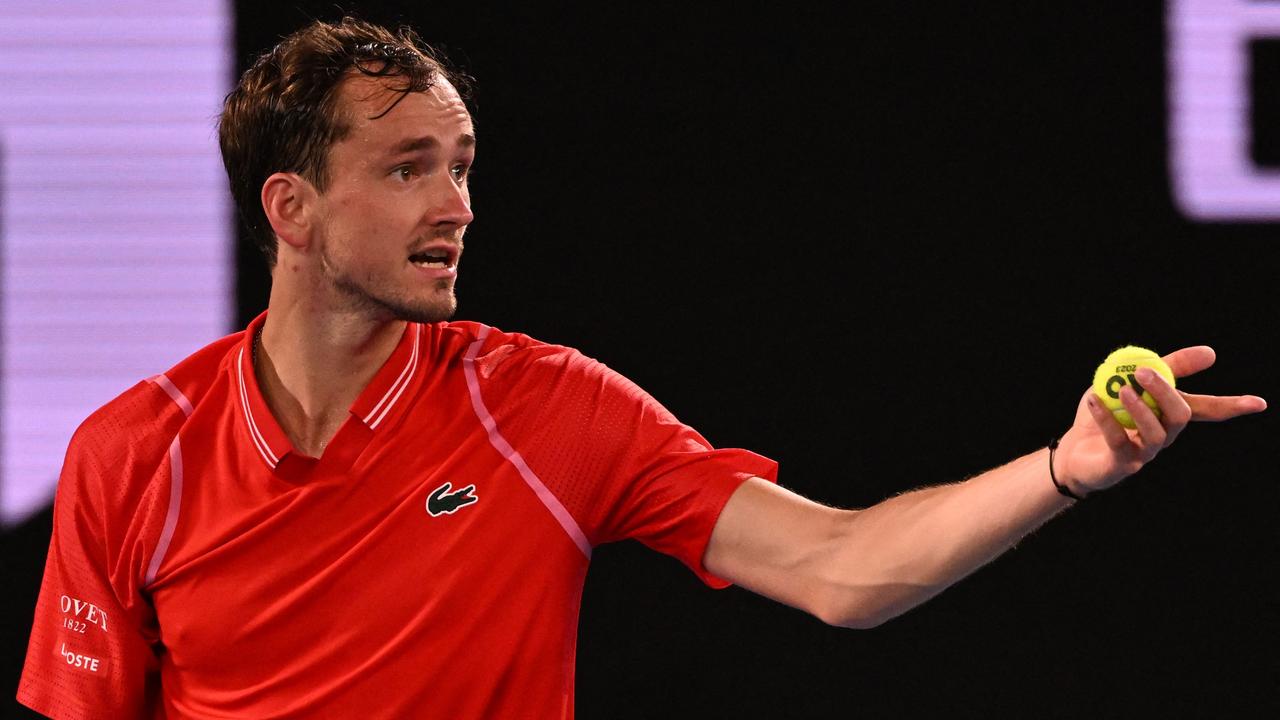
(289, 202)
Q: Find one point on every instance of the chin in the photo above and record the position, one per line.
(431, 311)
(427, 315)
(435, 305)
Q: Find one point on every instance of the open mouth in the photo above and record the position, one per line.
(438, 258)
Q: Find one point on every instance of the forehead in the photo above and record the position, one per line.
(375, 110)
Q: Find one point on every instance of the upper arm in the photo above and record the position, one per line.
(91, 651)
(776, 543)
(87, 654)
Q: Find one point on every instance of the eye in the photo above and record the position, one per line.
(460, 172)
(404, 173)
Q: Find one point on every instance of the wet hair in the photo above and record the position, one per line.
(284, 114)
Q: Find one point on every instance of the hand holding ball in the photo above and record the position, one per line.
(1120, 369)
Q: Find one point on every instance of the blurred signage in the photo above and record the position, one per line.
(1213, 172)
(115, 224)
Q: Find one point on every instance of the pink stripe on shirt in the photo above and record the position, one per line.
(512, 455)
(171, 519)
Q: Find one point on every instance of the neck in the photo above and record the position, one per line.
(312, 364)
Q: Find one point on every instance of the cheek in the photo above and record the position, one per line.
(370, 226)
(358, 216)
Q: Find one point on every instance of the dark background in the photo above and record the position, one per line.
(886, 247)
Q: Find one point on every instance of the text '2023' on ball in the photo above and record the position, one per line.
(1120, 369)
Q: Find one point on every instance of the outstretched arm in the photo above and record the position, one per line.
(860, 568)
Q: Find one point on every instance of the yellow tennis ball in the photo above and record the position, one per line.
(1120, 369)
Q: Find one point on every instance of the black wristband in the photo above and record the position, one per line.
(1053, 446)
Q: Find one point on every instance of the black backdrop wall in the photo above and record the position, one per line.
(886, 247)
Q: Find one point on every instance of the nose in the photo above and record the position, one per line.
(451, 203)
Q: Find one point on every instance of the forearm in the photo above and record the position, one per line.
(860, 568)
(899, 553)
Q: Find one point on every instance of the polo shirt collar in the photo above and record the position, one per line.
(379, 401)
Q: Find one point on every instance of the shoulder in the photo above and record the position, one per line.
(198, 372)
(519, 374)
(511, 358)
(123, 442)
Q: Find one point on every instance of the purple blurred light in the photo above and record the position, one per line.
(1212, 174)
(115, 219)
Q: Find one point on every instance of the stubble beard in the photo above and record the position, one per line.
(366, 297)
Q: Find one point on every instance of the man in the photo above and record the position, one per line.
(355, 508)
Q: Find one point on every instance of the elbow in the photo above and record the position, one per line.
(852, 620)
(863, 607)
(857, 622)
(853, 613)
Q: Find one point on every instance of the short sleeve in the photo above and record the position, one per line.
(91, 652)
(619, 461)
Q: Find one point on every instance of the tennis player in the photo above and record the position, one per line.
(357, 508)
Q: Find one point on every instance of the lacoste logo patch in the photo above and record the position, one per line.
(442, 502)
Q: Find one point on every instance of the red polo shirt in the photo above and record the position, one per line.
(429, 564)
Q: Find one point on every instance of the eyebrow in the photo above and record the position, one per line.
(428, 142)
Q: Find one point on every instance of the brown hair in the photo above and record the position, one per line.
(283, 115)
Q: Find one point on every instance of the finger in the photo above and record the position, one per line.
(1189, 361)
(1150, 430)
(1175, 413)
(1111, 429)
(1216, 408)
